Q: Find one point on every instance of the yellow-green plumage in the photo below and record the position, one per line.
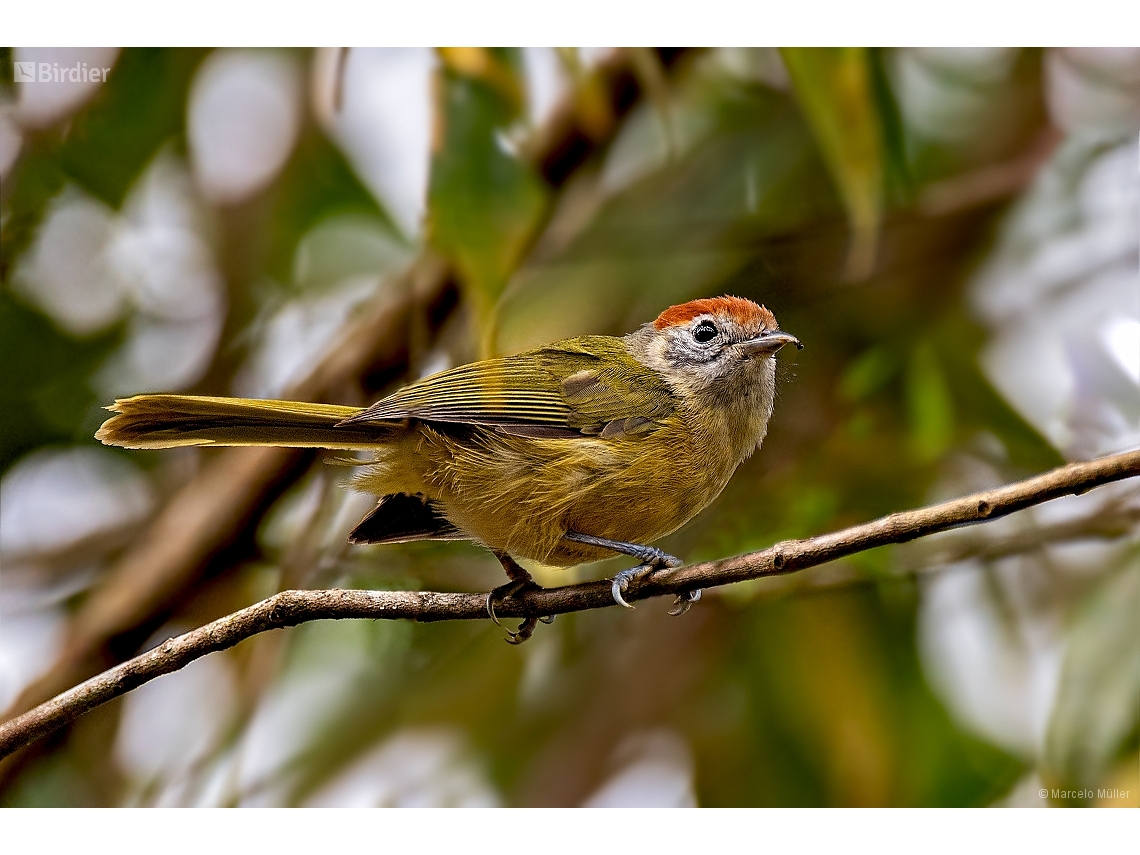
(174, 421)
(596, 435)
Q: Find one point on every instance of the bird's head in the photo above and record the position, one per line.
(719, 348)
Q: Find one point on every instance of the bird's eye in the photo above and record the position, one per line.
(705, 331)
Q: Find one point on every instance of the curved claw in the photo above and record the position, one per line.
(491, 609)
(619, 584)
(684, 602)
(547, 619)
(510, 589)
(525, 631)
(622, 580)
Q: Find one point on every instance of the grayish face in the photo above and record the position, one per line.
(723, 367)
(713, 352)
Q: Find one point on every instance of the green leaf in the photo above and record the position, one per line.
(484, 202)
(899, 180)
(867, 374)
(44, 391)
(930, 406)
(140, 108)
(835, 88)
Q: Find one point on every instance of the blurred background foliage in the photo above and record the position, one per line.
(952, 233)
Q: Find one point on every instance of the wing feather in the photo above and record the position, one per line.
(579, 387)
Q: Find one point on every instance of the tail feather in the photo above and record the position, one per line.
(170, 421)
(400, 518)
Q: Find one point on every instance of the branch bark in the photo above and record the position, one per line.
(290, 608)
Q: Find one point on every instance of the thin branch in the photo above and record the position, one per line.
(1108, 522)
(290, 608)
(938, 555)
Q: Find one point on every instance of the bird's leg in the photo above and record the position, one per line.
(651, 559)
(520, 580)
(645, 554)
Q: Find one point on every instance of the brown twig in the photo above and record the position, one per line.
(1105, 523)
(939, 555)
(290, 608)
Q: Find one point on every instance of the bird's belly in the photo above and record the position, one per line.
(520, 496)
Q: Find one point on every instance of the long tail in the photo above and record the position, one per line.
(170, 421)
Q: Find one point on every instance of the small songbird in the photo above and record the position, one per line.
(562, 455)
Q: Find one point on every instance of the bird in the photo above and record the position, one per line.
(562, 455)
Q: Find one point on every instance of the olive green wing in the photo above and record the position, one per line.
(588, 386)
(609, 393)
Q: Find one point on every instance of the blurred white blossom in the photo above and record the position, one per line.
(66, 272)
(546, 82)
(411, 768)
(32, 629)
(645, 144)
(1094, 89)
(55, 498)
(153, 262)
(993, 635)
(339, 263)
(293, 338)
(656, 770)
(243, 118)
(329, 661)
(958, 97)
(171, 725)
(1061, 292)
(999, 675)
(164, 256)
(376, 104)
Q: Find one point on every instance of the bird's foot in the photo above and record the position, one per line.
(622, 580)
(524, 632)
(526, 629)
(684, 602)
(518, 584)
(652, 559)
